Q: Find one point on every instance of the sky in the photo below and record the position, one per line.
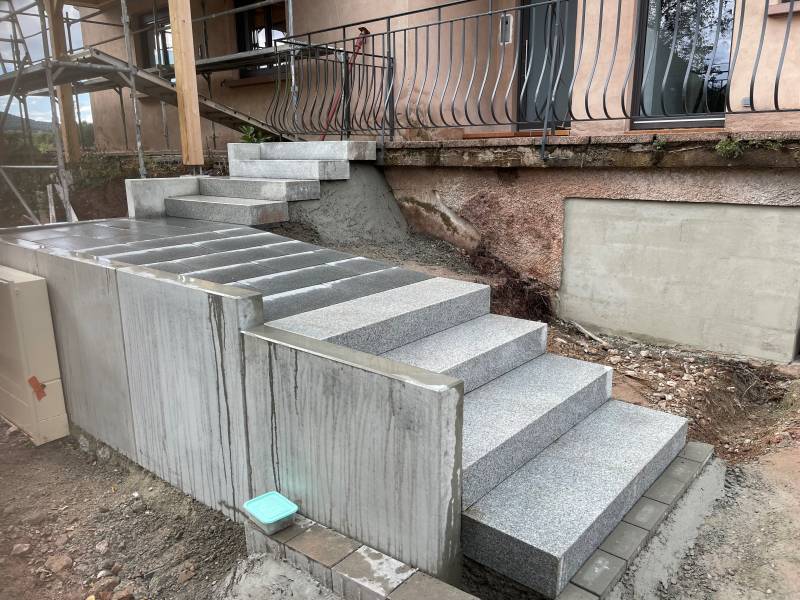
(38, 107)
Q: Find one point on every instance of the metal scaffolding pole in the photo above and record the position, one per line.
(126, 29)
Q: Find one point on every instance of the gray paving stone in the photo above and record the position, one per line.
(384, 321)
(252, 240)
(698, 452)
(573, 592)
(288, 190)
(317, 549)
(277, 283)
(599, 573)
(319, 150)
(291, 169)
(229, 274)
(671, 484)
(143, 257)
(178, 240)
(511, 419)
(213, 259)
(424, 587)
(541, 524)
(258, 541)
(476, 351)
(319, 296)
(625, 541)
(369, 575)
(243, 211)
(647, 514)
(72, 242)
(103, 251)
(301, 260)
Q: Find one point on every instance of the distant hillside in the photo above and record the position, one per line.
(14, 123)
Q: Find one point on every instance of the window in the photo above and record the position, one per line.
(259, 28)
(156, 41)
(684, 56)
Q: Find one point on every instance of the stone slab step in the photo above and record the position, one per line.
(242, 211)
(288, 190)
(511, 419)
(280, 306)
(384, 321)
(290, 169)
(541, 524)
(276, 283)
(476, 351)
(329, 150)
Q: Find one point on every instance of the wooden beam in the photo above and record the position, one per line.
(180, 18)
(66, 103)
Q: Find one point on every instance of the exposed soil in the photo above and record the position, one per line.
(81, 524)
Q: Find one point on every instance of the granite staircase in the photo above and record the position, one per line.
(550, 463)
(265, 178)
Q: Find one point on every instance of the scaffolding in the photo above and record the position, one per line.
(64, 72)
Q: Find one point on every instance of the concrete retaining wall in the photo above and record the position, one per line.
(183, 351)
(714, 276)
(367, 446)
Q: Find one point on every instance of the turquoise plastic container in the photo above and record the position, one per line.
(272, 511)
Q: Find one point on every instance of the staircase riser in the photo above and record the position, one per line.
(280, 169)
(490, 365)
(392, 333)
(318, 150)
(227, 213)
(287, 191)
(485, 474)
(495, 530)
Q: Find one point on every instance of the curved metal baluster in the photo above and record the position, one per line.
(613, 60)
(460, 71)
(783, 55)
(587, 95)
(488, 62)
(524, 85)
(447, 79)
(500, 67)
(685, 86)
(742, 9)
(425, 77)
(557, 80)
(545, 62)
(398, 112)
(474, 70)
(629, 71)
(758, 56)
(707, 77)
(513, 76)
(438, 61)
(318, 64)
(645, 76)
(671, 56)
(578, 62)
(414, 77)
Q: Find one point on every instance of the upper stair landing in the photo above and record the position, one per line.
(299, 160)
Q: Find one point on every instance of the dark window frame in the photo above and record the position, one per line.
(147, 44)
(244, 24)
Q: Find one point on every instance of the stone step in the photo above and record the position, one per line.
(511, 419)
(287, 190)
(381, 322)
(476, 351)
(332, 150)
(276, 283)
(242, 211)
(279, 306)
(540, 524)
(290, 169)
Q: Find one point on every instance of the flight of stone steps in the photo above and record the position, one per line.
(551, 463)
(264, 178)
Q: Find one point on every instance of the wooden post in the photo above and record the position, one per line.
(180, 18)
(66, 103)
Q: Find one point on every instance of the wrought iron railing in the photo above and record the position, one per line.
(541, 65)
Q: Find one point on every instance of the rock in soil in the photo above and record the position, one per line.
(58, 563)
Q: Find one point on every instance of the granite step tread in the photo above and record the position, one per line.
(541, 524)
(384, 321)
(260, 188)
(476, 351)
(241, 211)
(512, 418)
(320, 150)
(290, 169)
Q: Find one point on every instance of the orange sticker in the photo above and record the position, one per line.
(38, 387)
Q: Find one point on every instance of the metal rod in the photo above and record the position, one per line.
(132, 75)
(31, 215)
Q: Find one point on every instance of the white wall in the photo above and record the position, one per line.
(713, 276)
